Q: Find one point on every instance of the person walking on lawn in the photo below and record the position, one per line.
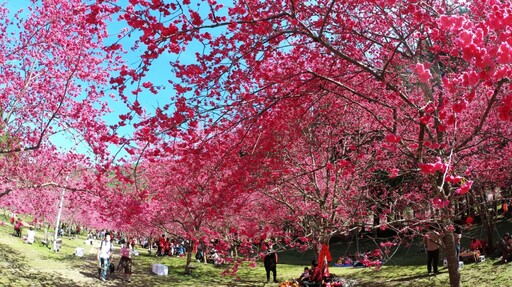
(104, 256)
(126, 261)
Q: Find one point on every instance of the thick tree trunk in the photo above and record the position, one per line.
(453, 261)
(205, 256)
(490, 240)
(188, 270)
(235, 252)
(488, 217)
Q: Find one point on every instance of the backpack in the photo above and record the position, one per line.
(112, 267)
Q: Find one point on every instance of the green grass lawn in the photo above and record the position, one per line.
(35, 265)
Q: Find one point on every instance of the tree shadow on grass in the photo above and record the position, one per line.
(145, 278)
(112, 279)
(90, 273)
(15, 271)
(414, 277)
(499, 262)
(247, 283)
(88, 266)
(406, 280)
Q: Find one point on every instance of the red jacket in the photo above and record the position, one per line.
(475, 245)
(316, 276)
(18, 225)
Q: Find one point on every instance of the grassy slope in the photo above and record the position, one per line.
(35, 265)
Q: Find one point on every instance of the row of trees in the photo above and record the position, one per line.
(295, 121)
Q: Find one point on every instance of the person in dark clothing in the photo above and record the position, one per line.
(270, 262)
(17, 227)
(457, 236)
(431, 241)
(200, 255)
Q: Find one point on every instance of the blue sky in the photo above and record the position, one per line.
(159, 74)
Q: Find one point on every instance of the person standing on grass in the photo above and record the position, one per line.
(126, 261)
(431, 241)
(161, 246)
(104, 256)
(457, 236)
(17, 227)
(270, 262)
(13, 222)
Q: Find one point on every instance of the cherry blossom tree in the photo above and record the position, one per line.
(317, 106)
(187, 194)
(55, 65)
(432, 74)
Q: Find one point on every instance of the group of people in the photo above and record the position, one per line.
(170, 247)
(105, 249)
(357, 259)
(311, 277)
(71, 230)
(475, 252)
(17, 224)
